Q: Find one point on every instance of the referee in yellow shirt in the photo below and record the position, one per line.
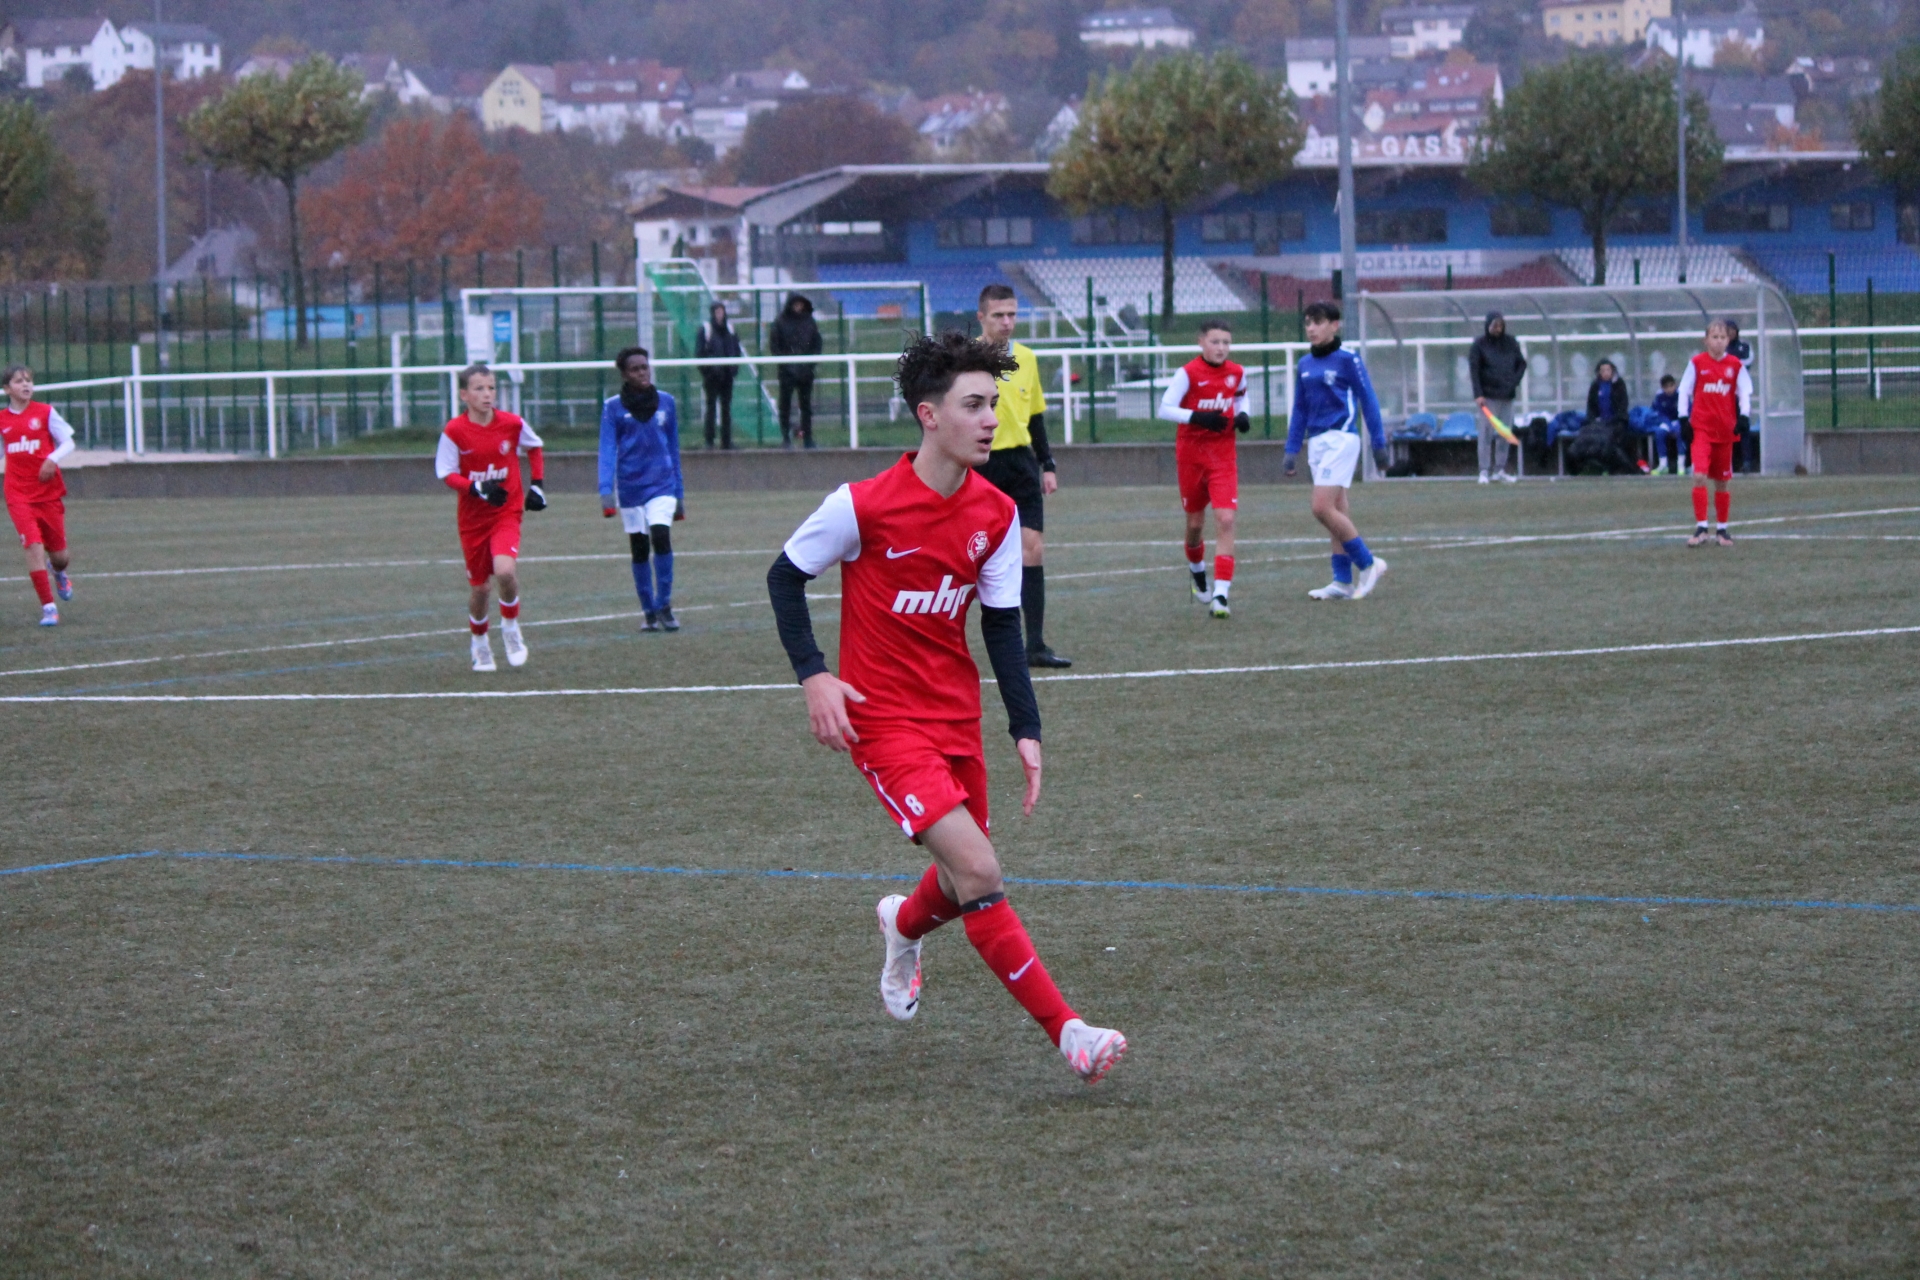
(1021, 463)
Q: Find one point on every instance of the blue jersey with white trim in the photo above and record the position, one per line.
(1331, 393)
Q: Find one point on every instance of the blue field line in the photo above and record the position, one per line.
(1174, 886)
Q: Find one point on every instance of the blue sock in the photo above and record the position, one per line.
(663, 578)
(1343, 567)
(643, 585)
(1357, 548)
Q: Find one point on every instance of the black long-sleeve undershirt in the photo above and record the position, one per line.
(999, 629)
(1037, 428)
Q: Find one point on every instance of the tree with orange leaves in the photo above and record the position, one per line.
(426, 188)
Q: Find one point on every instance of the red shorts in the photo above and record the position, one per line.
(1713, 458)
(919, 777)
(1209, 471)
(41, 522)
(482, 543)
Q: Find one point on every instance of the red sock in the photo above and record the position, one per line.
(1700, 504)
(510, 610)
(1195, 555)
(42, 585)
(1223, 568)
(997, 934)
(477, 625)
(926, 908)
(1722, 503)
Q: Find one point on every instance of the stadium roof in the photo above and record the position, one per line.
(906, 190)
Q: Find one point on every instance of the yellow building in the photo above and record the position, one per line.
(1587, 23)
(516, 98)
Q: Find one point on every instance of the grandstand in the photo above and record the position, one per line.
(1892, 268)
(1134, 282)
(954, 287)
(1287, 292)
(1660, 264)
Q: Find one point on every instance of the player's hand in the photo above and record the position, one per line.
(490, 492)
(1289, 463)
(1381, 460)
(1481, 401)
(47, 469)
(827, 698)
(1029, 749)
(1242, 423)
(680, 509)
(536, 497)
(606, 506)
(1048, 483)
(1210, 420)
(1741, 424)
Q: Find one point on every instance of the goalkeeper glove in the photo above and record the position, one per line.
(1209, 420)
(1243, 424)
(1743, 424)
(536, 497)
(491, 492)
(1381, 461)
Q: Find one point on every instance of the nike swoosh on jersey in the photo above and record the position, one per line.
(895, 555)
(1017, 974)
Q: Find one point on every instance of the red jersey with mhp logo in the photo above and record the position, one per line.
(473, 452)
(911, 564)
(1198, 385)
(31, 438)
(1713, 395)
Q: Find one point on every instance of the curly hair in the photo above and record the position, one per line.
(928, 366)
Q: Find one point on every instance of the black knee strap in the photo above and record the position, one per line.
(982, 903)
(662, 540)
(637, 542)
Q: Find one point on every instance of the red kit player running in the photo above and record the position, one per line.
(37, 437)
(1208, 398)
(1716, 395)
(915, 544)
(479, 459)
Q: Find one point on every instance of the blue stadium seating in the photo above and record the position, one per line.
(1893, 269)
(1420, 426)
(949, 288)
(1458, 426)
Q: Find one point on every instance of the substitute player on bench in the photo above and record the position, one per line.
(1208, 398)
(1331, 394)
(1716, 395)
(479, 459)
(37, 438)
(1021, 463)
(914, 545)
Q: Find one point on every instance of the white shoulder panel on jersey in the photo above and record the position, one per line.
(1170, 410)
(446, 458)
(62, 435)
(1001, 575)
(528, 440)
(828, 536)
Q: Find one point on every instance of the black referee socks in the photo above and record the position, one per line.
(1033, 603)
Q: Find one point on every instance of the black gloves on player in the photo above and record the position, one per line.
(1210, 420)
(536, 497)
(1380, 460)
(1742, 424)
(491, 492)
(1242, 423)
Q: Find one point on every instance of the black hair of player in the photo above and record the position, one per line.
(1666, 380)
(473, 371)
(1208, 326)
(996, 292)
(626, 354)
(1322, 311)
(928, 367)
(12, 371)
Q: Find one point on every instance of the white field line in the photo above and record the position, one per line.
(1160, 674)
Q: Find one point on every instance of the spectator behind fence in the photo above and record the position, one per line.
(1746, 444)
(1602, 441)
(795, 334)
(1663, 424)
(718, 341)
(1497, 365)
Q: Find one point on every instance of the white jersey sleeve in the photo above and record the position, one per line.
(1745, 389)
(1001, 575)
(62, 435)
(1685, 401)
(1170, 410)
(828, 536)
(446, 458)
(528, 440)
(1240, 399)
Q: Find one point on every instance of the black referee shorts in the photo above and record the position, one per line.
(1016, 473)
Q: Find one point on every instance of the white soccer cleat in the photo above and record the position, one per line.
(516, 644)
(900, 973)
(1218, 607)
(1365, 580)
(1202, 596)
(482, 654)
(49, 615)
(1091, 1051)
(1332, 591)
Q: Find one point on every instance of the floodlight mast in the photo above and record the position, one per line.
(1343, 99)
(1680, 100)
(159, 194)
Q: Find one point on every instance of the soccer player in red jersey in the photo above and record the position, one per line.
(479, 459)
(915, 545)
(1716, 395)
(1208, 398)
(37, 437)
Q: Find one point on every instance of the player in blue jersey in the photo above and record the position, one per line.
(640, 480)
(1331, 393)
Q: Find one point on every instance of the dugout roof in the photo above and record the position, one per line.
(860, 192)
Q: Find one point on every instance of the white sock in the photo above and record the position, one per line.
(1221, 587)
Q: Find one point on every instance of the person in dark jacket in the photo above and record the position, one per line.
(718, 341)
(1602, 441)
(795, 334)
(1497, 364)
(1746, 443)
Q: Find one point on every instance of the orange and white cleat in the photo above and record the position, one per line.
(1091, 1051)
(900, 973)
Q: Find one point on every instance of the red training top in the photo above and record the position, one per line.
(469, 452)
(31, 438)
(1713, 395)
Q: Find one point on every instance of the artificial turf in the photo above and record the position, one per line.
(294, 1066)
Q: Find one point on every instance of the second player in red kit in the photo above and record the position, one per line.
(36, 439)
(1716, 395)
(915, 545)
(1208, 398)
(479, 458)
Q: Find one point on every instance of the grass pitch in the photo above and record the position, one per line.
(311, 1067)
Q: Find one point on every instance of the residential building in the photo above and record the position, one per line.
(1310, 66)
(264, 64)
(221, 254)
(608, 98)
(1708, 34)
(51, 47)
(516, 98)
(188, 49)
(955, 119)
(1135, 29)
(384, 73)
(1588, 23)
(702, 223)
(1427, 28)
(718, 114)
(1058, 130)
